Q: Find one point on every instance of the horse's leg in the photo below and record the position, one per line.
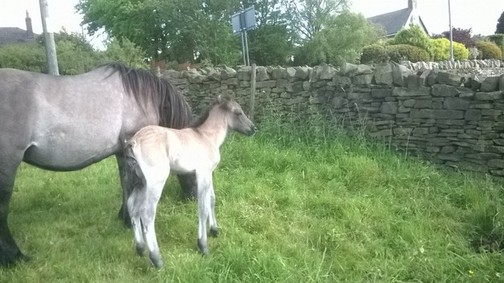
(126, 188)
(204, 183)
(188, 183)
(9, 251)
(214, 230)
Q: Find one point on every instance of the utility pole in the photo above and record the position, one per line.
(451, 31)
(50, 46)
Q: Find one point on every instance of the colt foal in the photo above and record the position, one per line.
(154, 151)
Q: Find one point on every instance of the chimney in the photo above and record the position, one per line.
(412, 5)
(29, 29)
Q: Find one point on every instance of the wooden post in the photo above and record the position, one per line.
(50, 46)
(252, 91)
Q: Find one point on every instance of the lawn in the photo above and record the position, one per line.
(291, 208)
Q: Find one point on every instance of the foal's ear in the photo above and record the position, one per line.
(219, 98)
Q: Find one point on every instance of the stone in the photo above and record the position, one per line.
(501, 83)
(444, 90)
(403, 92)
(227, 73)
(381, 92)
(388, 108)
(436, 114)
(490, 84)
(488, 95)
(399, 74)
(449, 79)
(261, 74)
(302, 73)
(364, 79)
(326, 72)
(383, 74)
(289, 73)
(453, 103)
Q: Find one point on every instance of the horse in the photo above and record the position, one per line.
(154, 151)
(65, 123)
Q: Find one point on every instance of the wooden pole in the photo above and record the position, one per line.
(50, 46)
(252, 91)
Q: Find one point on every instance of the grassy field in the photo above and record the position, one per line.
(290, 208)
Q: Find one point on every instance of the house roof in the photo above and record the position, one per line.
(15, 35)
(394, 21)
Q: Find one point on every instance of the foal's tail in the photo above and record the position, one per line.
(136, 177)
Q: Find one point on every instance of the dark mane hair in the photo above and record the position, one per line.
(173, 109)
(221, 100)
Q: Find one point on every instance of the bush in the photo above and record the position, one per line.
(441, 50)
(374, 53)
(413, 36)
(23, 56)
(489, 50)
(402, 52)
(498, 39)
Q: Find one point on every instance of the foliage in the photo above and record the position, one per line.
(489, 50)
(125, 51)
(293, 206)
(413, 35)
(460, 35)
(374, 53)
(498, 39)
(341, 41)
(270, 45)
(23, 56)
(308, 17)
(400, 52)
(441, 50)
(75, 54)
(500, 24)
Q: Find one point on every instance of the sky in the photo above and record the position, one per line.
(480, 15)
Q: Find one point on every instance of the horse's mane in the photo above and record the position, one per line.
(222, 101)
(173, 109)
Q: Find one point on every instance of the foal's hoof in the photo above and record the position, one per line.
(140, 248)
(203, 248)
(214, 232)
(157, 261)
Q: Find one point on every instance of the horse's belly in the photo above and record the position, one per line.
(66, 152)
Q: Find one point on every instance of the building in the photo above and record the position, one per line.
(17, 35)
(393, 22)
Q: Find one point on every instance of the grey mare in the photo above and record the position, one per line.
(154, 151)
(69, 122)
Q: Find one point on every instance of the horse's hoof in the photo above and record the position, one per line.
(203, 248)
(140, 248)
(214, 232)
(8, 261)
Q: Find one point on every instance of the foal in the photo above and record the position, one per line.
(154, 151)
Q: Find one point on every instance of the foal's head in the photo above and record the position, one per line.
(234, 115)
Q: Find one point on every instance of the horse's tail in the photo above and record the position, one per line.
(136, 178)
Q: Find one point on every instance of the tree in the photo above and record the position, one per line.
(460, 35)
(341, 41)
(308, 17)
(500, 24)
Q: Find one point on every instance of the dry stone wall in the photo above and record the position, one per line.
(452, 119)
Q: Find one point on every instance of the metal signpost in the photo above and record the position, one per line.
(242, 22)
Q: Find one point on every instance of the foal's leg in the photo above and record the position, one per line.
(204, 209)
(214, 230)
(9, 251)
(155, 184)
(135, 206)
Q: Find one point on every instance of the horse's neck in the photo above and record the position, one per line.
(214, 128)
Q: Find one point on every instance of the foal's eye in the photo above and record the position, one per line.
(238, 113)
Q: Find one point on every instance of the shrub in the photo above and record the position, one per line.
(498, 39)
(413, 36)
(23, 56)
(374, 53)
(441, 50)
(489, 50)
(407, 52)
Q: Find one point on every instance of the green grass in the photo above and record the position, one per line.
(290, 209)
